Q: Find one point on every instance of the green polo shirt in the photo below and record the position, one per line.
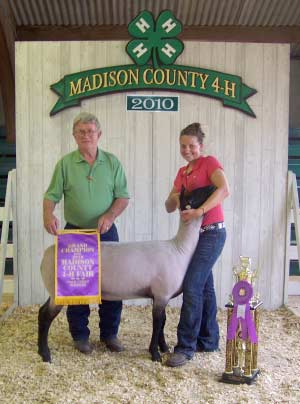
(88, 191)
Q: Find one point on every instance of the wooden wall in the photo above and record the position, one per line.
(253, 153)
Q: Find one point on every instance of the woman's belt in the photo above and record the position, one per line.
(213, 226)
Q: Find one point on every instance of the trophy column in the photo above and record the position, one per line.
(229, 347)
(242, 328)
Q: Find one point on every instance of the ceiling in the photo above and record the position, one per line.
(280, 17)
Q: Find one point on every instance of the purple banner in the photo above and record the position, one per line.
(77, 268)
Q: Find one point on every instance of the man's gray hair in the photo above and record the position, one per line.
(86, 117)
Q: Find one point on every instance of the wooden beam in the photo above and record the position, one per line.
(73, 33)
(199, 33)
(243, 34)
(8, 24)
(7, 68)
(7, 84)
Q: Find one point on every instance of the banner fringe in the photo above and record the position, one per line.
(69, 301)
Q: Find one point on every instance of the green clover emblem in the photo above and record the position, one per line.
(156, 40)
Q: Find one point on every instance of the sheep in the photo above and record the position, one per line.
(131, 270)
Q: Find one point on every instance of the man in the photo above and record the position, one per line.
(94, 187)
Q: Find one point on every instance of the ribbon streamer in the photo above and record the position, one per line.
(242, 293)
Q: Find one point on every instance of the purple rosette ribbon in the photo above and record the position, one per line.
(241, 315)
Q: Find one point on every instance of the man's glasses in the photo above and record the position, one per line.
(82, 132)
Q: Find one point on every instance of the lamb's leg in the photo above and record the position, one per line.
(161, 338)
(158, 312)
(47, 314)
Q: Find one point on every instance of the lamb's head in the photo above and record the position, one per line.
(188, 234)
(195, 198)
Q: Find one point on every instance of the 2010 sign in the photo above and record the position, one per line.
(152, 103)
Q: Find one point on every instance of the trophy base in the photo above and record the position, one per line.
(235, 379)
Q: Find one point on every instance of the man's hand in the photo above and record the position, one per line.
(51, 223)
(105, 222)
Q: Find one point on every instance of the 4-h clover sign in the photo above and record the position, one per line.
(153, 49)
(156, 40)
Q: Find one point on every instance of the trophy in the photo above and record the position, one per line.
(242, 327)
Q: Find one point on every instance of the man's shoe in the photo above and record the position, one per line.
(83, 346)
(113, 344)
(177, 359)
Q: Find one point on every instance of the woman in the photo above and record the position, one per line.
(198, 329)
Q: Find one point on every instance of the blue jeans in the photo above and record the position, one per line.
(109, 311)
(198, 318)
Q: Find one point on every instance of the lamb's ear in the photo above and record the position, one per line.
(200, 195)
(182, 198)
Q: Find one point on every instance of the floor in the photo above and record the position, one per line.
(294, 304)
(8, 294)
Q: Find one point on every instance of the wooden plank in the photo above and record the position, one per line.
(23, 82)
(54, 130)
(2, 211)
(266, 168)
(295, 207)
(102, 58)
(214, 145)
(280, 167)
(4, 232)
(8, 285)
(69, 61)
(15, 237)
(141, 123)
(35, 163)
(228, 154)
(295, 168)
(165, 127)
(9, 250)
(292, 252)
(115, 134)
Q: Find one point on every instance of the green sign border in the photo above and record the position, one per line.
(75, 87)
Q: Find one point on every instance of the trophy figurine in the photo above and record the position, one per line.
(242, 327)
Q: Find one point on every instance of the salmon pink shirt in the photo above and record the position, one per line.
(200, 177)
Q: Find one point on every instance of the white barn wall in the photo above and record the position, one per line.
(252, 151)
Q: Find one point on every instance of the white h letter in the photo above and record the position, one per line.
(168, 26)
(168, 50)
(142, 25)
(140, 50)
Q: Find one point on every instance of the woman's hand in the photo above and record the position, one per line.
(172, 203)
(191, 214)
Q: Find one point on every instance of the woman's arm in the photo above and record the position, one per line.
(219, 179)
(172, 202)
